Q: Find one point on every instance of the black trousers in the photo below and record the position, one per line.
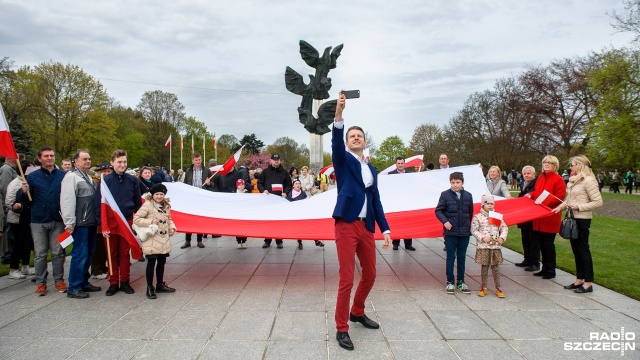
(407, 242)
(21, 253)
(548, 251)
(268, 241)
(530, 247)
(187, 237)
(151, 264)
(581, 251)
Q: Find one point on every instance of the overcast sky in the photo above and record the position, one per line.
(414, 62)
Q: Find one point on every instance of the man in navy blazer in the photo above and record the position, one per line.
(358, 208)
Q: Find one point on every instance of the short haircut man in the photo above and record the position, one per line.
(400, 169)
(358, 209)
(198, 176)
(444, 161)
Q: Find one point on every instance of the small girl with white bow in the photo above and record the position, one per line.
(490, 232)
(156, 247)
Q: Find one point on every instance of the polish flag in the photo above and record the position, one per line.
(168, 143)
(114, 222)
(7, 148)
(227, 166)
(181, 143)
(327, 170)
(65, 239)
(546, 199)
(273, 217)
(203, 148)
(495, 218)
(276, 187)
(213, 144)
(367, 154)
(192, 148)
(410, 162)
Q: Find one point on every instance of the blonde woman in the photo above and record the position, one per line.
(306, 180)
(497, 186)
(546, 228)
(583, 196)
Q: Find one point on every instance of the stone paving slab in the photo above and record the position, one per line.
(279, 304)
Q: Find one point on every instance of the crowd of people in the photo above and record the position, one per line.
(50, 203)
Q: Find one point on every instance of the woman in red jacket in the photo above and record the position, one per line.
(545, 229)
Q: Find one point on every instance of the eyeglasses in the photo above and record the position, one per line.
(547, 162)
(572, 165)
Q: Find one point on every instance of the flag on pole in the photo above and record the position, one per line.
(192, 148)
(65, 239)
(203, 137)
(495, 218)
(7, 148)
(367, 154)
(168, 143)
(213, 142)
(181, 143)
(229, 164)
(114, 222)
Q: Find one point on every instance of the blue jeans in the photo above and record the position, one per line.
(84, 244)
(456, 247)
(45, 238)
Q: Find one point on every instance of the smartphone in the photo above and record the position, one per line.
(351, 94)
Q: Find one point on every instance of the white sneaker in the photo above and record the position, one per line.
(28, 271)
(16, 274)
(101, 276)
(244, 245)
(239, 246)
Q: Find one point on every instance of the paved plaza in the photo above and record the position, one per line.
(279, 304)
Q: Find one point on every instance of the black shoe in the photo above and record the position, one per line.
(572, 286)
(548, 276)
(581, 289)
(395, 247)
(319, 243)
(539, 273)
(151, 293)
(215, 236)
(300, 246)
(521, 264)
(344, 340)
(364, 320)
(186, 245)
(201, 245)
(265, 245)
(141, 259)
(279, 246)
(126, 287)
(164, 288)
(91, 288)
(112, 290)
(409, 247)
(77, 294)
(532, 268)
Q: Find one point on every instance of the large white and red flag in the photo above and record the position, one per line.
(409, 162)
(168, 143)
(410, 213)
(7, 148)
(229, 164)
(112, 220)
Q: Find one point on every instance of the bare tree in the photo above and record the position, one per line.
(427, 140)
(629, 22)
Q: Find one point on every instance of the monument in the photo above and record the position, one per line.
(315, 114)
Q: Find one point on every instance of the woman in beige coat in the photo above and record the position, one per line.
(156, 211)
(583, 195)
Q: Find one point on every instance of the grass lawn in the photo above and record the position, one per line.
(4, 269)
(614, 248)
(605, 195)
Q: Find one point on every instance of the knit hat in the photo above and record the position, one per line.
(158, 188)
(487, 199)
(239, 182)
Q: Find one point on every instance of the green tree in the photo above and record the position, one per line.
(389, 149)
(291, 153)
(164, 115)
(65, 105)
(427, 140)
(131, 128)
(252, 143)
(15, 107)
(616, 127)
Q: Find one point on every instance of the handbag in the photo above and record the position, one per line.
(569, 227)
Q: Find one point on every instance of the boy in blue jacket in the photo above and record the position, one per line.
(454, 210)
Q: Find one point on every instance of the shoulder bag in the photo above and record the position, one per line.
(569, 227)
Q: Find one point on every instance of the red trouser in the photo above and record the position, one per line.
(120, 269)
(353, 239)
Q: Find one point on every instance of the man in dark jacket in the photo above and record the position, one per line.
(408, 243)
(126, 193)
(454, 210)
(530, 245)
(200, 177)
(275, 180)
(46, 222)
